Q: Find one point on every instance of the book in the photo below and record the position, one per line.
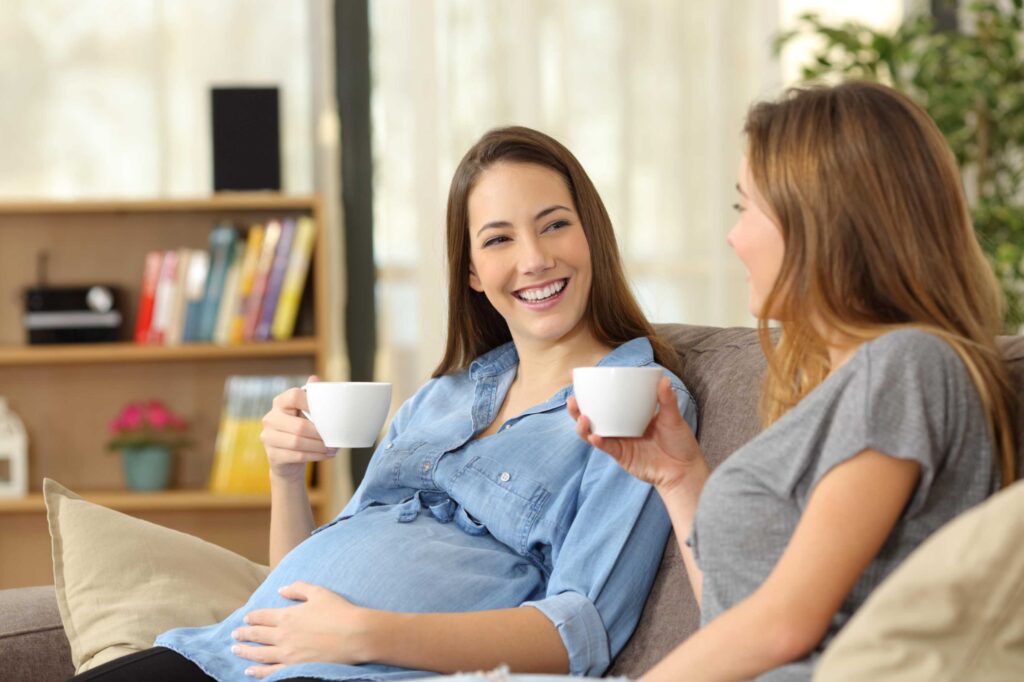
(222, 245)
(166, 285)
(147, 294)
(239, 459)
(174, 332)
(294, 280)
(253, 248)
(195, 286)
(276, 279)
(260, 278)
(229, 299)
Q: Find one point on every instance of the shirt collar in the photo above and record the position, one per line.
(634, 353)
(494, 362)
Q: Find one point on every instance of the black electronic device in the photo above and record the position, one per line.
(81, 314)
(246, 139)
(71, 314)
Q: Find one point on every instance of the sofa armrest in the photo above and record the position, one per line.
(33, 646)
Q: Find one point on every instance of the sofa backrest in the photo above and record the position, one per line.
(723, 368)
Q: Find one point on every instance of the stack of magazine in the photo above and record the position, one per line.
(239, 460)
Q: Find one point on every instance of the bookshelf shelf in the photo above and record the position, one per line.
(122, 352)
(67, 394)
(229, 202)
(166, 500)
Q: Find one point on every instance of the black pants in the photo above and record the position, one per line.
(152, 665)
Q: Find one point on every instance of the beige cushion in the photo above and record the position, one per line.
(953, 612)
(122, 581)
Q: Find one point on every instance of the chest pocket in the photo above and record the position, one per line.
(385, 470)
(500, 499)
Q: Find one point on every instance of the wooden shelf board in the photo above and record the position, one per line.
(166, 500)
(132, 352)
(237, 201)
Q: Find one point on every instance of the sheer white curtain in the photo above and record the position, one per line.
(649, 94)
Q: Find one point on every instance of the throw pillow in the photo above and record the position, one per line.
(122, 581)
(953, 612)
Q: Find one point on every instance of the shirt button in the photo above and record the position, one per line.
(389, 446)
(426, 466)
(505, 476)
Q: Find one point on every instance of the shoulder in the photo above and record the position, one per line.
(913, 352)
(908, 342)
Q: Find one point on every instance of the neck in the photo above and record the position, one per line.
(548, 365)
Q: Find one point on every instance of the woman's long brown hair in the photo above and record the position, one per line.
(878, 236)
(474, 326)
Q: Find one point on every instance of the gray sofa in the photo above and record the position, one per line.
(722, 367)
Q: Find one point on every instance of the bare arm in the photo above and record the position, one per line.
(291, 441)
(521, 638)
(327, 627)
(668, 457)
(848, 518)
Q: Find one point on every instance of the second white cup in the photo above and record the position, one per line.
(348, 414)
(618, 401)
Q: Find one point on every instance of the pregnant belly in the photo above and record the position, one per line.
(421, 566)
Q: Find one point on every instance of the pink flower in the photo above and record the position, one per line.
(157, 414)
(131, 416)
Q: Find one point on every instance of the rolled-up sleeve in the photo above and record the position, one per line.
(604, 569)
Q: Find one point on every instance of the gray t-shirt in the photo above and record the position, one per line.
(906, 394)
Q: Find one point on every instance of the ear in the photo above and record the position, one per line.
(474, 280)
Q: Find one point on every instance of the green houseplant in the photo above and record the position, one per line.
(971, 81)
(147, 434)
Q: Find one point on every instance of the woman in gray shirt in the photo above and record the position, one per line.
(886, 401)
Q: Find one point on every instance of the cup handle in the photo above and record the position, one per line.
(304, 413)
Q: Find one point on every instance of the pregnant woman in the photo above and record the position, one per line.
(485, 531)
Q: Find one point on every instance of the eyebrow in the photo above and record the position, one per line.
(504, 223)
(740, 190)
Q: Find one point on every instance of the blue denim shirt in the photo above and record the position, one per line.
(442, 522)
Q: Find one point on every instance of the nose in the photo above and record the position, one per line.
(534, 256)
(730, 238)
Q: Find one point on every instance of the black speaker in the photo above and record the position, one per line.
(246, 139)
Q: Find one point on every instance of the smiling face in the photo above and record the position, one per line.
(757, 241)
(528, 252)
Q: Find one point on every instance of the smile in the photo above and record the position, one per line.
(545, 293)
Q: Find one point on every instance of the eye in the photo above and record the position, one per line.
(499, 239)
(557, 225)
(737, 208)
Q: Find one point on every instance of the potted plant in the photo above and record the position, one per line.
(971, 81)
(147, 434)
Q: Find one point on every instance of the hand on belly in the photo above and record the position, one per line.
(320, 627)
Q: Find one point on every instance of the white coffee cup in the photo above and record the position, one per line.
(618, 401)
(348, 414)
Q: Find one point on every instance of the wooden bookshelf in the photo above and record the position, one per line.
(66, 394)
(126, 351)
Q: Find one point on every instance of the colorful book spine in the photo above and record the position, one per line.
(229, 299)
(276, 279)
(195, 286)
(174, 333)
(164, 300)
(253, 248)
(261, 277)
(222, 245)
(147, 295)
(294, 280)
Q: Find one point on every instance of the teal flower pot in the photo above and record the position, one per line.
(146, 467)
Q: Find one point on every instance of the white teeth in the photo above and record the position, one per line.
(541, 294)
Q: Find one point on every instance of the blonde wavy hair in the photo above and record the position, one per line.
(878, 237)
